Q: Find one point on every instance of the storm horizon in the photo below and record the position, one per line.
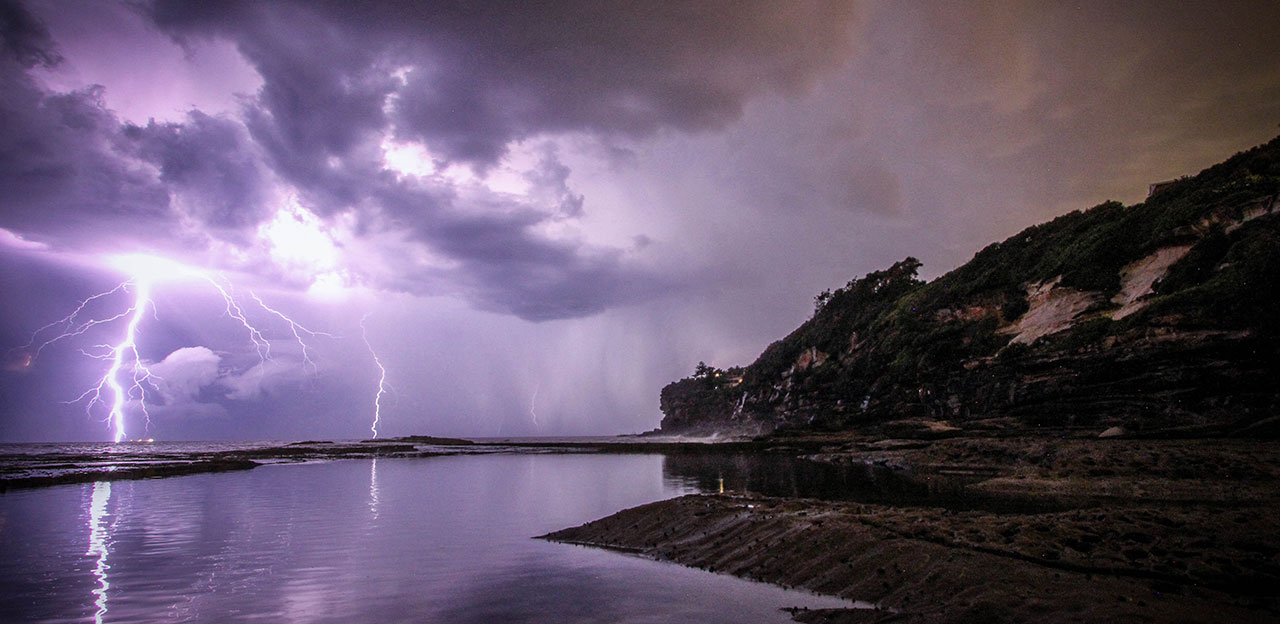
(465, 220)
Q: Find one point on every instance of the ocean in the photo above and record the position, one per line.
(378, 539)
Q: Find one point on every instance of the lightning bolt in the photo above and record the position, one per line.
(533, 402)
(69, 322)
(127, 377)
(121, 354)
(297, 330)
(382, 379)
(233, 310)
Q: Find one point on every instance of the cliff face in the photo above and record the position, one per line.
(1163, 315)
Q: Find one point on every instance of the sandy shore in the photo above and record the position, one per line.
(1120, 531)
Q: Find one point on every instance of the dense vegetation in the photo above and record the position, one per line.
(888, 345)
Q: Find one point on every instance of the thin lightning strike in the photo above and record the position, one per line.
(128, 378)
(532, 403)
(69, 322)
(382, 379)
(233, 310)
(260, 342)
(294, 327)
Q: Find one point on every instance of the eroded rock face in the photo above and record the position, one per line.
(1052, 310)
(1137, 278)
(966, 314)
(809, 357)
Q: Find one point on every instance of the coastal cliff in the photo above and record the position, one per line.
(1159, 318)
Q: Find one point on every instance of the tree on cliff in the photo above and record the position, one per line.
(702, 371)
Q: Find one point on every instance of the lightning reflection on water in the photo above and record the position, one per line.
(98, 546)
(373, 487)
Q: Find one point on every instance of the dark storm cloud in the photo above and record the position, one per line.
(535, 278)
(337, 83)
(72, 174)
(212, 162)
(1018, 110)
(468, 80)
(508, 71)
(59, 150)
(26, 40)
(504, 263)
(67, 170)
(485, 74)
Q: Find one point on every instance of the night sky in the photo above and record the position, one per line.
(543, 211)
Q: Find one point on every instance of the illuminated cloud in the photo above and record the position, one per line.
(300, 245)
(182, 374)
(268, 377)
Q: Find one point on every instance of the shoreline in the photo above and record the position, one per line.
(134, 461)
(932, 565)
(1021, 528)
(1136, 530)
(25, 471)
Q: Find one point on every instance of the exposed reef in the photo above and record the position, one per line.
(61, 464)
(144, 461)
(425, 439)
(1037, 531)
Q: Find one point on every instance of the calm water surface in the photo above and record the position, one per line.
(394, 540)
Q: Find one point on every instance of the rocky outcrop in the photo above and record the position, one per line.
(696, 407)
(1157, 318)
(1052, 309)
(1189, 563)
(1138, 278)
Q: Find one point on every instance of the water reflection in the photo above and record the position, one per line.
(786, 476)
(300, 543)
(776, 475)
(98, 544)
(373, 487)
(803, 478)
